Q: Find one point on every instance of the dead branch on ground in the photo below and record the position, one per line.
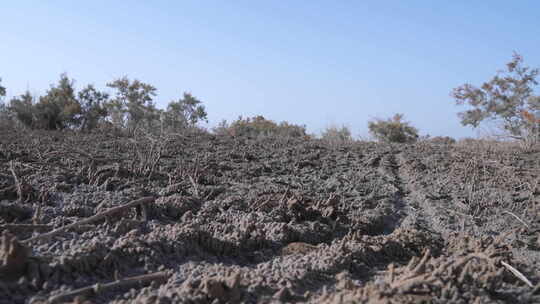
(108, 212)
(96, 289)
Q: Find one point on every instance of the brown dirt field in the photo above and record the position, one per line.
(265, 220)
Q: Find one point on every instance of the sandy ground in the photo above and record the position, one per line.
(206, 219)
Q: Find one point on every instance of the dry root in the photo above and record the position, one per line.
(13, 257)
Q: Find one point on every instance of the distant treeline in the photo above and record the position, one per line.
(130, 107)
(508, 101)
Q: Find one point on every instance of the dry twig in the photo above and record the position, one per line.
(517, 217)
(17, 182)
(518, 274)
(264, 203)
(108, 212)
(195, 187)
(99, 288)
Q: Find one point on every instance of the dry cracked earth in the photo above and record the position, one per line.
(199, 218)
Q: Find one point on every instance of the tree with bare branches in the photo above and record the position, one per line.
(508, 100)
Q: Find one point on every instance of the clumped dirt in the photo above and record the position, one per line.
(197, 218)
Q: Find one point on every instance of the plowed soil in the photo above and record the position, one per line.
(204, 219)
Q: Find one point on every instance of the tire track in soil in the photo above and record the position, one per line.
(422, 212)
(401, 209)
(410, 206)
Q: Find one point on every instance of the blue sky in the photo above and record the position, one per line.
(317, 63)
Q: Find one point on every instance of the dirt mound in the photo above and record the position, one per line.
(206, 219)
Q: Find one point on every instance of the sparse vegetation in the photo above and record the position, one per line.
(93, 107)
(260, 126)
(59, 108)
(335, 135)
(442, 140)
(393, 130)
(133, 104)
(2, 90)
(131, 108)
(267, 180)
(183, 113)
(508, 100)
(23, 109)
(222, 201)
(4, 112)
(222, 129)
(113, 190)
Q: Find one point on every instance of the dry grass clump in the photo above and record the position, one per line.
(474, 271)
(442, 140)
(336, 136)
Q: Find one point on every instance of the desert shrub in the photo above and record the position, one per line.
(196, 131)
(393, 130)
(4, 111)
(286, 129)
(335, 135)
(222, 128)
(93, 109)
(2, 90)
(183, 113)
(484, 144)
(22, 108)
(260, 126)
(6, 119)
(132, 105)
(5, 116)
(442, 140)
(59, 108)
(507, 100)
(255, 126)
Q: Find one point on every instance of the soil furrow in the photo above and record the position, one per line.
(266, 219)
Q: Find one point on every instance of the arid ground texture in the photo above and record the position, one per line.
(200, 218)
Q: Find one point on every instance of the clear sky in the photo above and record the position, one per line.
(317, 63)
